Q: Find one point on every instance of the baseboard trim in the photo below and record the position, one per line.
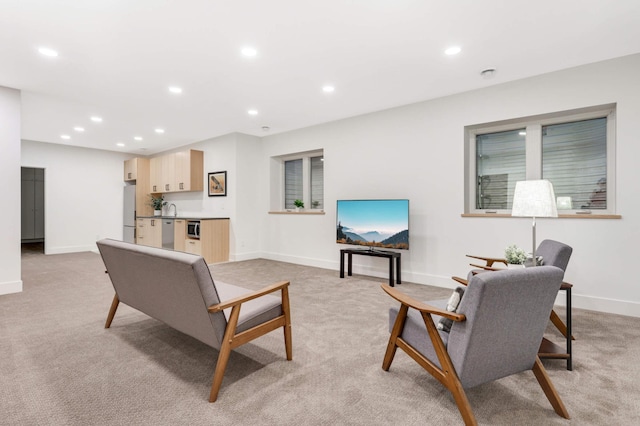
(11, 287)
(69, 249)
(238, 257)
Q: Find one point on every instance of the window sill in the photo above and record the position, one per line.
(307, 212)
(560, 216)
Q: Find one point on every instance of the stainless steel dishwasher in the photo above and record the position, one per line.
(167, 233)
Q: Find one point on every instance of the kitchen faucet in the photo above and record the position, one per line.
(175, 210)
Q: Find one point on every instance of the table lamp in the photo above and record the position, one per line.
(534, 198)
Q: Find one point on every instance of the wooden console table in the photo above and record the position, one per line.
(377, 253)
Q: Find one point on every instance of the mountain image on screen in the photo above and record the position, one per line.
(373, 223)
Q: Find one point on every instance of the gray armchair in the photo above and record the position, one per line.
(556, 254)
(496, 332)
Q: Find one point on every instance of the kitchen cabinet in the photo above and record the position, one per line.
(149, 232)
(137, 169)
(179, 234)
(177, 172)
(131, 169)
(194, 247)
(214, 238)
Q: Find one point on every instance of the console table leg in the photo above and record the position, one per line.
(349, 263)
(569, 335)
(391, 271)
(341, 264)
(398, 269)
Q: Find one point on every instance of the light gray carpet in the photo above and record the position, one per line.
(59, 366)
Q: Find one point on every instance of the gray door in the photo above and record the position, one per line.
(32, 209)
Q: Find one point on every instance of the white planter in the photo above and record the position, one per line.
(515, 266)
(157, 212)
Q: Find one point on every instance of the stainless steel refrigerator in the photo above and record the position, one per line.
(129, 233)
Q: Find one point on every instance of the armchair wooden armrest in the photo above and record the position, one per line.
(485, 267)
(249, 296)
(490, 260)
(420, 306)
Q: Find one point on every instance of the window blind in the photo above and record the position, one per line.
(293, 180)
(500, 163)
(574, 159)
(317, 182)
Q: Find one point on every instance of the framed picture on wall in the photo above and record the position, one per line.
(217, 184)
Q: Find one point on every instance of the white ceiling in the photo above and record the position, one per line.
(117, 59)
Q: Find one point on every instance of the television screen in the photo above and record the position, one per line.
(373, 223)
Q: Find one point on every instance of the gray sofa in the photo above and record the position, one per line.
(177, 289)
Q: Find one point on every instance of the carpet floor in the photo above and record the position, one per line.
(60, 366)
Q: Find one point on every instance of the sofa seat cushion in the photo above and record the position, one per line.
(253, 312)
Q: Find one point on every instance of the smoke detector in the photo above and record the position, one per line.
(488, 73)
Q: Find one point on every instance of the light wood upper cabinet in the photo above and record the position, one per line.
(137, 169)
(177, 172)
(189, 171)
(131, 169)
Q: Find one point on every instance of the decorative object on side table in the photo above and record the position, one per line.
(157, 202)
(515, 256)
(217, 184)
(299, 205)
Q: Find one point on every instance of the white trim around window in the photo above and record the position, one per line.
(533, 126)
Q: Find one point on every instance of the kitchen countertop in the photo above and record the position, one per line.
(181, 217)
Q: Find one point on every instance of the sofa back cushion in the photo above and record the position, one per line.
(173, 287)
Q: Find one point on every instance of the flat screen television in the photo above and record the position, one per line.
(377, 224)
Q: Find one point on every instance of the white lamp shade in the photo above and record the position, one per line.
(534, 198)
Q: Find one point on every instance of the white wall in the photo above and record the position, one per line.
(238, 155)
(10, 278)
(417, 152)
(83, 194)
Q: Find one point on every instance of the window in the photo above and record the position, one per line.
(575, 150)
(302, 179)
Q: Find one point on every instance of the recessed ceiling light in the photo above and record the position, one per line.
(453, 50)
(249, 52)
(120, 144)
(96, 119)
(78, 129)
(252, 112)
(175, 89)
(65, 136)
(138, 138)
(48, 52)
(159, 130)
(328, 89)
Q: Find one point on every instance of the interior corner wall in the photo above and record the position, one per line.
(10, 270)
(83, 194)
(417, 152)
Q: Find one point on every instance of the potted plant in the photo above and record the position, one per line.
(515, 256)
(299, 205)
(157, 202)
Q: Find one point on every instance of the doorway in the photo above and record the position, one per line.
(32, 210)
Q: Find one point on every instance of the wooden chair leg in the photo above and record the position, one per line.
(392, 346)
(549, 389)
(112, 311)
(225, 352)
(287, 326)
(557, 321)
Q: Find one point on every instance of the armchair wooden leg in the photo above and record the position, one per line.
(549, 389)
(557, 321)
(287, 326)
(112, 310)
(225, 352)
(398, 326)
